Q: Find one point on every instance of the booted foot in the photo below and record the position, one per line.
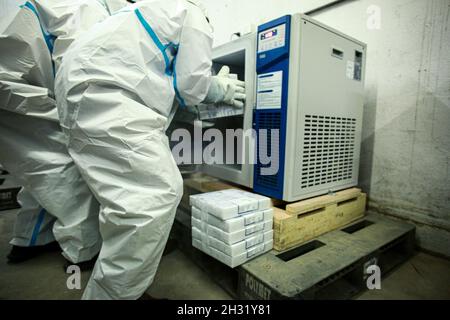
(84, 266)
(21, 254)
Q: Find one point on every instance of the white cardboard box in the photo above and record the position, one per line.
(214, 111)
(231, 203)
(233, 261)
(236, 248)
(232, 237)
(233, 224)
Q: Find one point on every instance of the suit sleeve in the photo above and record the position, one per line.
(26, 70)
(192, 67)
(66, 20)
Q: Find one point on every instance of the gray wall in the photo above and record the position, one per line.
(405, 164)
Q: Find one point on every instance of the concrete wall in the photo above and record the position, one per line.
(405, 164)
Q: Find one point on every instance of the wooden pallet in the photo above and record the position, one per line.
(304, 220)
(332, 266)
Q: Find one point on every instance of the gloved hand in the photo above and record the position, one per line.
(225, 88)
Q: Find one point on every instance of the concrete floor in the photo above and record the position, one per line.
(422, 277)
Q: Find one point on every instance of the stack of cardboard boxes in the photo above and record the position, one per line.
(232, 225)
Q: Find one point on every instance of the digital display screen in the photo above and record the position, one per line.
(272, 38)
(269, 34)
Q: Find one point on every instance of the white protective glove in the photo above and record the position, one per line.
(226, 88)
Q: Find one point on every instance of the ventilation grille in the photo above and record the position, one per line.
(268, 120)
(328, 152)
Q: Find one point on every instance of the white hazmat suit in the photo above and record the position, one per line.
(115, 91)
(34, 36)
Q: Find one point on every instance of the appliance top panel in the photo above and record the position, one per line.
(320, 24)
(243, 41)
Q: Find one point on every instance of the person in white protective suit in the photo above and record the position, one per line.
(34, 36)
(115, 91)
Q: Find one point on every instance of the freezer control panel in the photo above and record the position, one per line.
(272, 38)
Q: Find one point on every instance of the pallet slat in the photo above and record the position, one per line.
(206, 184)
(314, 219)
(308, 205)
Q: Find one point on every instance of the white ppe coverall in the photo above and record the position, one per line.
(33, 38)
(115, 91)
